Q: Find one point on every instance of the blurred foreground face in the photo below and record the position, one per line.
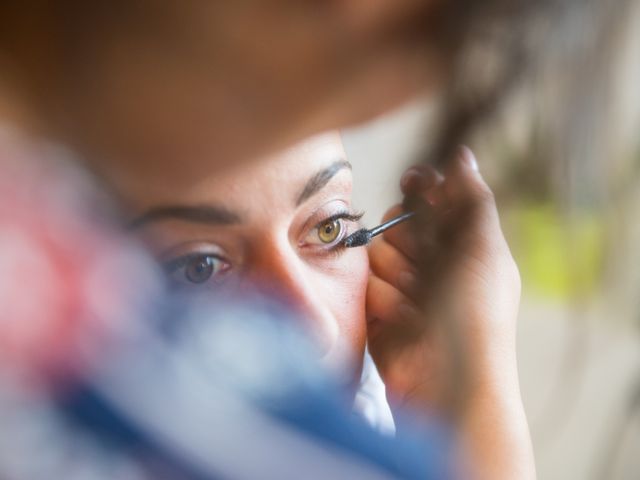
(276, 225)
(183, 82)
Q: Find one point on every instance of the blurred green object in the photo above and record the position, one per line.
(559, 255)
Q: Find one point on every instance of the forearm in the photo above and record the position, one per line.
(494, 430)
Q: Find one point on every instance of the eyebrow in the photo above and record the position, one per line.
(218, 215)
(320, 179)
(207, 214)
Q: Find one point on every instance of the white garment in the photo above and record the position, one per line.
(371, 399)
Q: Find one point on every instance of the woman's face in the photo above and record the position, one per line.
(276, 224)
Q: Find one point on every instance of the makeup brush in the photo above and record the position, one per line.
(363, 236)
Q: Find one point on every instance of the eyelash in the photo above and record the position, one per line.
(352, 217)
(175, 264)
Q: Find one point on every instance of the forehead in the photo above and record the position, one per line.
(281, 175)
(321, 148)
(274, 182)
(294, 164)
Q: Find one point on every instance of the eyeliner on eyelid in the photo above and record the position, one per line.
(353, 217)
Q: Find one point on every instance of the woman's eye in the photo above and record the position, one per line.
(197, 269)
(329, 231)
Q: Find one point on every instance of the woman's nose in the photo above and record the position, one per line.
(280, 271)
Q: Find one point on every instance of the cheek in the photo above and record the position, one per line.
(348, 294)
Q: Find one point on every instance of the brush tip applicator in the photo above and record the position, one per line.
(364, 236)
(358, 239)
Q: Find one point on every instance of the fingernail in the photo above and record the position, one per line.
(410, 177)
(468, 157)
(406, 281)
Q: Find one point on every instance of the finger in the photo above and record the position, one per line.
(464, 183)
(473, 214)
(418, 185)
(390, 265)
(420, 233)
(419, 178)
(386, 304)
(401, 236)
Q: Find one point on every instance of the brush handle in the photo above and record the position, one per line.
(391, 223)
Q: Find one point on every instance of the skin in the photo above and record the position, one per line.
(265, 234)
(458, 321)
